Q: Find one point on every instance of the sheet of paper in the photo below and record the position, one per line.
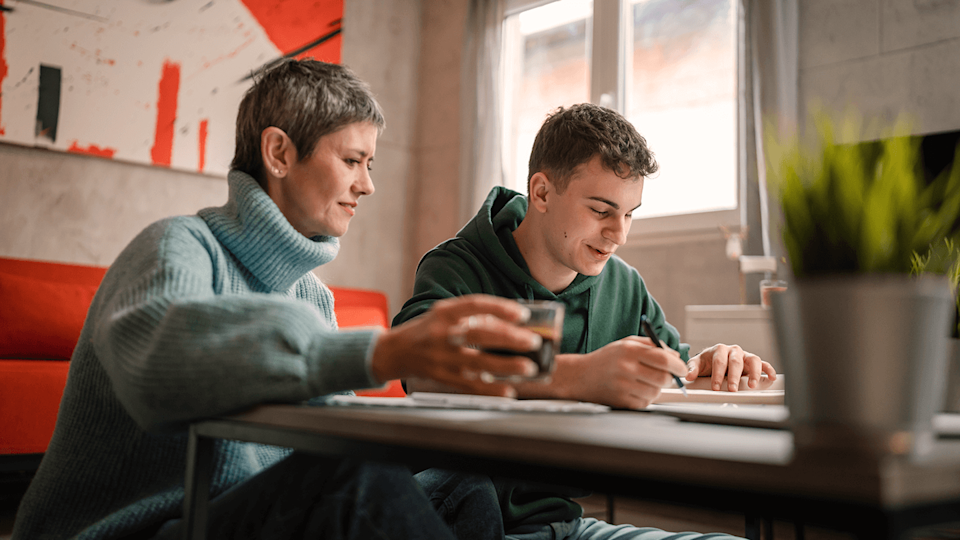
(467, 401)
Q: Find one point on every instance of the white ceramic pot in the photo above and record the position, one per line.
(866, 359)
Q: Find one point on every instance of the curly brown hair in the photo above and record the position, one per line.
(571, 137)
(307, 99)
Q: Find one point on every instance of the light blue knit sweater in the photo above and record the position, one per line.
(199, 316)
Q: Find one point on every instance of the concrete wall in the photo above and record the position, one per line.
(73, 208)
(434, 204)
(887, 57)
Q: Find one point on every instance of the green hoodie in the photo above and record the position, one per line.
(484, 258)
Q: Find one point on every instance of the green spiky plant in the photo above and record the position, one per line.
(944, 259)
(860, 208)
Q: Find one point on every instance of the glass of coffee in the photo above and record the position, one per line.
(546, 319)
(768, 287)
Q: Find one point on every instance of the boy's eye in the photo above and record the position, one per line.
(599, 212)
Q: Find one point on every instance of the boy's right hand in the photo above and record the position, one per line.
(626, 374)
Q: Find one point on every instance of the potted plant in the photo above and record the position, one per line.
(863, 341)
(944, 259)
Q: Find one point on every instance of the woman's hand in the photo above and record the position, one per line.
(444, 345)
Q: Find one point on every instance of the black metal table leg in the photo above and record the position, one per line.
(197, 486)
(752, 531)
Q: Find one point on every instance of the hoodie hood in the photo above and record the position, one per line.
(491, 230)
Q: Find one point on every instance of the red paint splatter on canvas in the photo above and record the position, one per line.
(291, 24)
(92, 150)
(169, 87)
(210, 63)
(3, 58)
(202, 135)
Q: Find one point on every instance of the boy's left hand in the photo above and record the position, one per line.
(729, 361)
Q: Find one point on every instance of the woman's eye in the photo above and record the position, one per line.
(599, 212)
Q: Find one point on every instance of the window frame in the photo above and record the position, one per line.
(608, 86)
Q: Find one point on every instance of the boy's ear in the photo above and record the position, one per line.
(540, 189)
(277, 151)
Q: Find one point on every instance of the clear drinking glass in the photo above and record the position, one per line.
(768, 287)
(546, 319)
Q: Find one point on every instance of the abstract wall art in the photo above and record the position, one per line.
(147, 81)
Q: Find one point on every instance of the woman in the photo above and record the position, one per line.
(208, 314)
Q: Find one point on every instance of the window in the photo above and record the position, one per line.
(669, 66)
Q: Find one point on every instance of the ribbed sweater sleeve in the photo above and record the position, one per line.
(176, 351)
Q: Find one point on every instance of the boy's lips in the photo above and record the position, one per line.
(601, 253)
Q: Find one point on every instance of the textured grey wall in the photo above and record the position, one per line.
(73, 208)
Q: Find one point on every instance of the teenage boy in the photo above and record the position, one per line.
(586, 176)
(587, 169)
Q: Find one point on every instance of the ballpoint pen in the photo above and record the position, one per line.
(648, 330)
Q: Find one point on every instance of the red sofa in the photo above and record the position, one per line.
(42, 309)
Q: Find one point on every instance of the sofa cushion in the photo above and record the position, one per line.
(29, 399)
(361, 307)
(41, 319)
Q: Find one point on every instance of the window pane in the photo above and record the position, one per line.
(681, 97)
(545, 66)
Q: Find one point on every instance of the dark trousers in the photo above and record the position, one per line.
(311, 497)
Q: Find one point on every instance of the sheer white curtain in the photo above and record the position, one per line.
(481, 163)
(768, 100)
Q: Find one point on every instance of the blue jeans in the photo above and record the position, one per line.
(311, 497)
(469, 504)
(592, 529)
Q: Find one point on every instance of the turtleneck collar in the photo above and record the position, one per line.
(254, 230)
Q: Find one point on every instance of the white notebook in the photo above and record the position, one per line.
(699, 391)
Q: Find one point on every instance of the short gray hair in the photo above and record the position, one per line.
(307, 99)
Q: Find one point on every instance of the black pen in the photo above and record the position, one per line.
(648, 330)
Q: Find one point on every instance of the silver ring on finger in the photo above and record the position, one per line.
(457, 336)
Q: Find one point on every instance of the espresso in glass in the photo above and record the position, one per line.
(546, 319)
